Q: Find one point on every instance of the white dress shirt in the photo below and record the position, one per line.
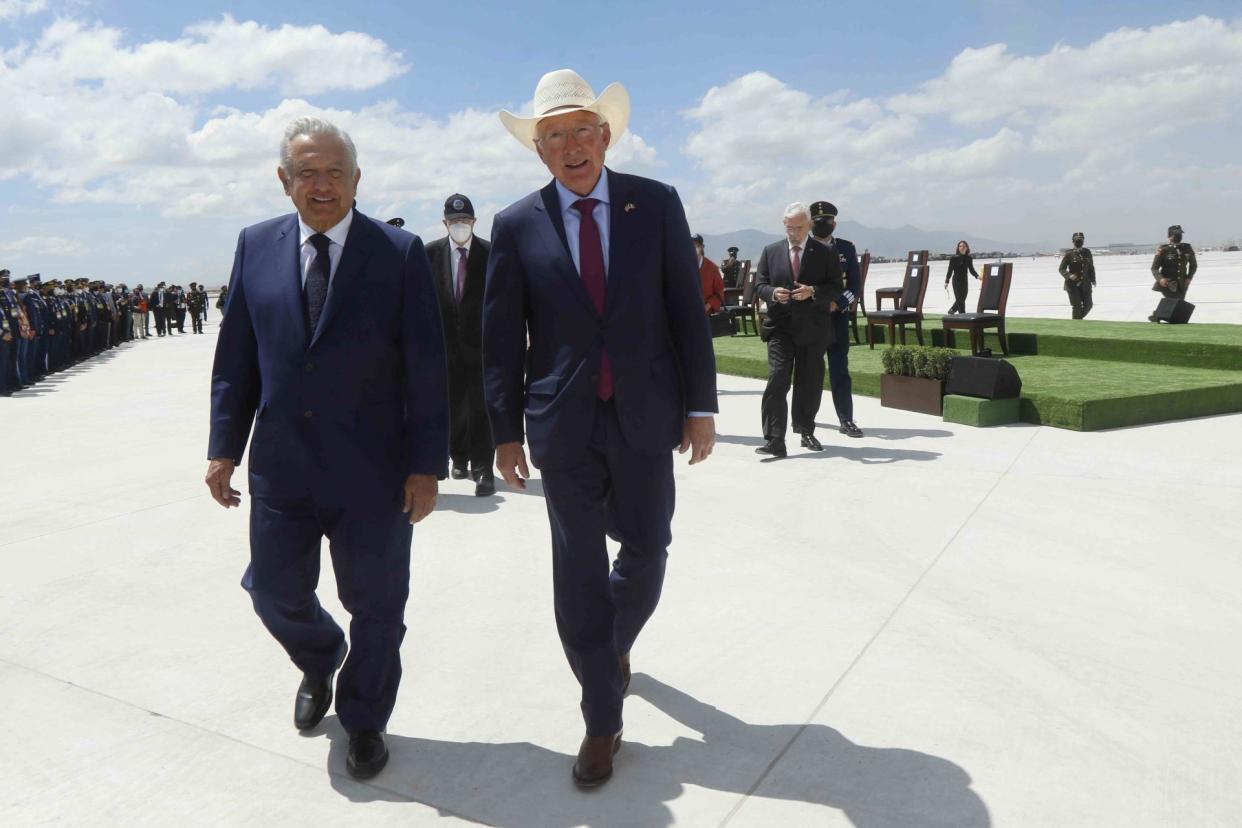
(336, 235)
(573, 219)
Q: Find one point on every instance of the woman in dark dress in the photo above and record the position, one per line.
(961, 263)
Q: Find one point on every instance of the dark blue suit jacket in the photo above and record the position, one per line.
(542, 337)
(345, 413)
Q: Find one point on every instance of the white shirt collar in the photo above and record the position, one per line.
(789, 245)
(336, 234)
(454, 246)
(568, 197)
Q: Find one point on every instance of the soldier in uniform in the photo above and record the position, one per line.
(223, 298)
(7, 343)
(31, 322)
(731, 269)
(1173, 267)
(823, 224)
(9, 313)
(198, 305)
(1078, 270)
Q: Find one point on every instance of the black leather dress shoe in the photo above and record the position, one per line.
(459, 472)
(849, 429)
(776, 448)
(367, 754)
(485, 485)
(594, 765)
(809, 442)
(313, 701)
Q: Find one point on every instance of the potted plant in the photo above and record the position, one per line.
(914, 378)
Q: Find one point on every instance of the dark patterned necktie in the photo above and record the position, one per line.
(591, 268)
(316, 290)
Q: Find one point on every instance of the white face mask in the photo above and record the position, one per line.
(460, 231)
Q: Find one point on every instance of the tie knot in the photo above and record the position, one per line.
(321, 243)
(585, 206)
(462, 251)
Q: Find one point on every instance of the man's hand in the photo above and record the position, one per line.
(781, 295)
(219, 475)
(803, 292)
(420, 496)
(511, 462)
(699, 434)
(1164, 283)
(7, 337)
(707, 306)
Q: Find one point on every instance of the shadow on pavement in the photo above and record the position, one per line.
(520, 784)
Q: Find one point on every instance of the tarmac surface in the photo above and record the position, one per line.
(931, 626)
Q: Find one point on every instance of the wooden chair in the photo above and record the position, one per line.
(745, 312)
(909, 309)
(733, 295)
(860, 300)
(915, 258)
(993, 297)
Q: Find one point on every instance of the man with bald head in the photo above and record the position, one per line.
(332, 348)
(596, 352)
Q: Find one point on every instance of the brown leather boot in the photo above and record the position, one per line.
(594, 765)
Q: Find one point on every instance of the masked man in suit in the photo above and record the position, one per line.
(459, 265)
(801, 280)
(332, 347)
(594, 334)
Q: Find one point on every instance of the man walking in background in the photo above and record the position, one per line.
(823, 227)
(459, 265)
(1078, 270)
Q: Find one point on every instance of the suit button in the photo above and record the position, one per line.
(310, 366)
(308, 414)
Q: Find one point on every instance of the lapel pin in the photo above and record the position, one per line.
(629, 206)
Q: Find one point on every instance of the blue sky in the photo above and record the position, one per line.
(141, 147)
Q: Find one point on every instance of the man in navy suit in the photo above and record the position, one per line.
(823, 223)
(594, 332)
(332, 347)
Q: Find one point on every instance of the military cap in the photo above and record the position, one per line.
(35, 279)
(1077, 236)
(4, 272)
(1175, 228)
(823, 209)
(397, 222)
(458, 206)
(697, 239)
(19, 282)
(733, 250)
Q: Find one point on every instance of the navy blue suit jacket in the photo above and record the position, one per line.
(543, 339)
(345, 413)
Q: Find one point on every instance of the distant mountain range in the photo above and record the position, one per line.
(881, 241)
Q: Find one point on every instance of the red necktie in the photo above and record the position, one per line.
(591, 268)
(461, 273)
(797, 263)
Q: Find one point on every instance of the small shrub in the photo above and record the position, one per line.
(912, 361)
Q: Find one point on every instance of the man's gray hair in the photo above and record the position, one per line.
(797, 209)
(314, 126)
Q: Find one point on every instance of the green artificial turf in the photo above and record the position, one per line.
(973, 411)
(1084, 394)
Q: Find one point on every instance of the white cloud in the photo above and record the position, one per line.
(998, 143)
(12, 9)
(43, 246)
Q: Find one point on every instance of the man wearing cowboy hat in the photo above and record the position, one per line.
(594, 332)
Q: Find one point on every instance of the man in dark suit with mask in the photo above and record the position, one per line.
(823, 227)
(802, 281)
(459, 265)
(333, 348)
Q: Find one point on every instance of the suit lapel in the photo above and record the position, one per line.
(358, 247)
(287, 243)
(552, 232)
(621, 234)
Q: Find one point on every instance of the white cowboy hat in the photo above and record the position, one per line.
(565, 91)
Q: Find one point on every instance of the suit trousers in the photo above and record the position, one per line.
(470, 433)
(614, 492)
(960, 288)
(159, 321)
(370, 551)
(839, 369)
(803, 366)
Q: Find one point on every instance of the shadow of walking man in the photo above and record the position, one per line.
(874, 787)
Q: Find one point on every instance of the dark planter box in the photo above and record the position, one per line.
(925, 396)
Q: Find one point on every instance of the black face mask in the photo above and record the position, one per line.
(822, 228)
(1177, 238)
(1077, 242)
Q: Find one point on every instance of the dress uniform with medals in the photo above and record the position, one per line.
(1078, 270)
(823, 223)
(1173, 267)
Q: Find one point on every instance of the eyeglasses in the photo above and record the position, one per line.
(556, 139)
